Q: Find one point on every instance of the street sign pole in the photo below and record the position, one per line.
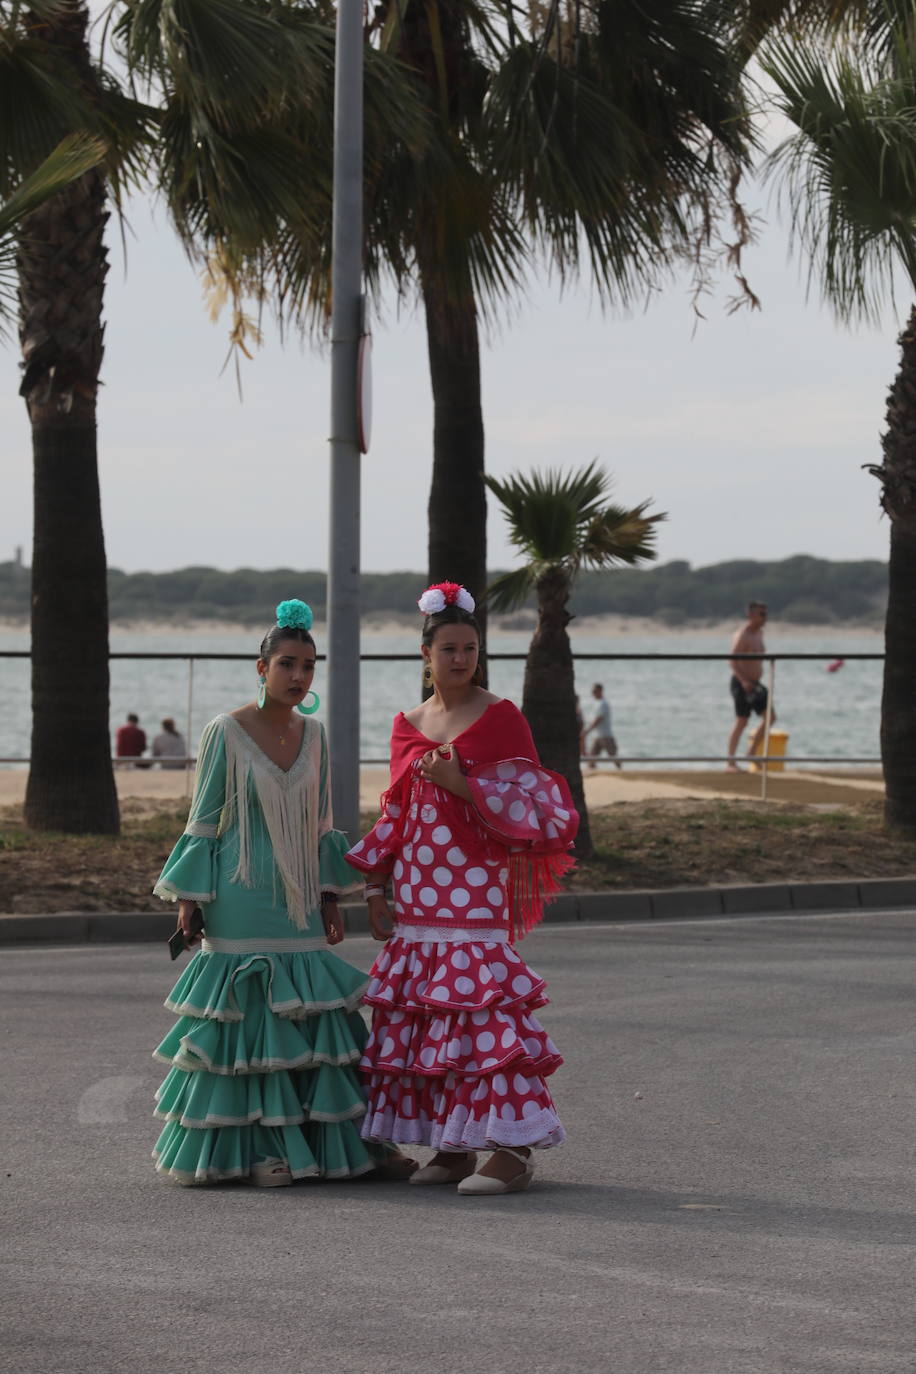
(344, 544)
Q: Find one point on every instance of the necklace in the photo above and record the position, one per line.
(282, 737)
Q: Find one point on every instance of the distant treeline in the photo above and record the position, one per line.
(802, 590)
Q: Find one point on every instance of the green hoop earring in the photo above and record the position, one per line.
(262, 692)
(309, 710)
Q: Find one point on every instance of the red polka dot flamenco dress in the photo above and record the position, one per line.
(456, 1058)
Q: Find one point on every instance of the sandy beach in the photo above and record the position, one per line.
(604, 787)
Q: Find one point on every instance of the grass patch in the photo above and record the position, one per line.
(43, 871)
(652, 844)
(695, 843)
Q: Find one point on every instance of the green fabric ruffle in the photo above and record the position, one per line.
(263, 1042)
(334, 873)
(263, 1063)
(313, 1150)
(293, 986)
(285, 1098)
(190, 871)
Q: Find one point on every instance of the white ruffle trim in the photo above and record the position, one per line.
(542, 1132)
(169, 893)
(196, 1062)
(449, 935)
(289, 1011)
(211, 1122)
(203, 1013)
(292, 944)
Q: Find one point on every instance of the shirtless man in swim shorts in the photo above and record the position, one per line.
(747, 688)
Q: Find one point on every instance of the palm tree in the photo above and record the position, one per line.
(850, 175)
(236, 137)
(582, 142)
(561, 523)
(51, 89)
(606, 136)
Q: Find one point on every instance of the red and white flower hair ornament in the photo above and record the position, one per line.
(442, 594)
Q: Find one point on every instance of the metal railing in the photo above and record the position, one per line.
(758, 760)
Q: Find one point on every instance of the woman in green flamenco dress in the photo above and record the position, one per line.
(263, 1083)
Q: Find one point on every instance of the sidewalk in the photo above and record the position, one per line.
(664, 904)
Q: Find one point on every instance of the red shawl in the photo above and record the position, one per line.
(520, 810)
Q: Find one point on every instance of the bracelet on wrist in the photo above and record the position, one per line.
(328, 897)
(373, 890)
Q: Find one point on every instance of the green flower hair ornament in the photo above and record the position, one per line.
(294, 615)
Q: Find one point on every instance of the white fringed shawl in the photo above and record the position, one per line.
(291, 804)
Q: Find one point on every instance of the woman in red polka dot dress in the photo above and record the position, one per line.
(474, 835)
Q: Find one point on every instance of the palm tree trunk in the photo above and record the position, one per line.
(457, 508)
(62, 268)
(434, 42)
(898, 701)
(549, 698)
(71, 786)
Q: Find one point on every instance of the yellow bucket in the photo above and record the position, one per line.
(778, 745)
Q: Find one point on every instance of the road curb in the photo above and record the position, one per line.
(664, 904)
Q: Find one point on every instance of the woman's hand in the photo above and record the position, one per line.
(381, 921)
(332, 920)
(186, 911)
(442, 767)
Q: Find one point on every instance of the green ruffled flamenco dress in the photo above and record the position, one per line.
(263, 1058)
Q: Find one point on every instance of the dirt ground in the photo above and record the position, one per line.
(705, 829)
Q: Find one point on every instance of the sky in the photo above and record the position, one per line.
(750, 430)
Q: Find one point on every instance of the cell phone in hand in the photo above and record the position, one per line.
(176, 939)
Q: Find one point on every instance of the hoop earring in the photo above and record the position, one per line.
(428, 675)
(309, 710)
(262, 692)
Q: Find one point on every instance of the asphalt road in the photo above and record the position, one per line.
(736, 1196)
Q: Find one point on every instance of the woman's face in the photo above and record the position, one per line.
(453, 655)
(289, 671)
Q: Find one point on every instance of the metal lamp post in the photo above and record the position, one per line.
(346, 328)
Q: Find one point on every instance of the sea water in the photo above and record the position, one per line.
(659, 708)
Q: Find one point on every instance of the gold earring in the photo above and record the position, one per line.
(427, 675)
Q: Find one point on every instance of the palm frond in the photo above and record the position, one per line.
(623, 156)
(512, 589)
(850, 173)
(255, 192)
(14, 14)
(618, 535)
(39, 106)
(232, 62)
(547, 512)
(72, 157)
(562, 520)
(756, 21)
(43, 101)
(562, 149)
(240, 188)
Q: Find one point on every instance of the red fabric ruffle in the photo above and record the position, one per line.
(435, 976)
